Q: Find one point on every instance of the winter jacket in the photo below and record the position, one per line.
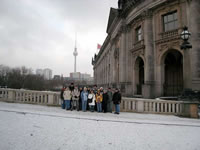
(67, 95)
(105, 98)
(109, 96)
(84, 96)
(93, 99)
(71, 88)
(116, 98)
(75, 94)
(61, 94)
(99, 98)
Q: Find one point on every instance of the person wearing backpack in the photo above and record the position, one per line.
(91, 100)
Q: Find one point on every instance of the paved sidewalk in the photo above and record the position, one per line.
(34, 127)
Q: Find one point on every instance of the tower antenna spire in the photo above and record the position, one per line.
(75, 52)
(75, 40)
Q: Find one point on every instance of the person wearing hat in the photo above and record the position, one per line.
(117, 100)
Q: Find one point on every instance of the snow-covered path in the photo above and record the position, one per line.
(33, 127)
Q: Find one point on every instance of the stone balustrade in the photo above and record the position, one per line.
(169, 34)
(28, 96)
(154, 106)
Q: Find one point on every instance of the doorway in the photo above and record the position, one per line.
(173, 84)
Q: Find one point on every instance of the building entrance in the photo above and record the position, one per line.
(173, 84)
(139, 75)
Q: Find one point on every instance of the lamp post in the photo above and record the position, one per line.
(185, 36)
(186, 46)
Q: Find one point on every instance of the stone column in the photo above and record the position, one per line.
(187, 69)
(194, 28)
(147, 90)
(97, 75)
(129, 64)
(113, 64)
(122, 55)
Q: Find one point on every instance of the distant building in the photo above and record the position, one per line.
(26, 71)
(39, 72)
(57, 77)
(75, 75)
(86, 77)
(46, 73)
(80, 76)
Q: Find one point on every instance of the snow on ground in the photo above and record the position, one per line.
(33, 127)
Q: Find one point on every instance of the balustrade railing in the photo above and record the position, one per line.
(169, 34)
(188, 109)
(151, 106)
(29, 96)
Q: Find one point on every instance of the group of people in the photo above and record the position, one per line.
(93, 99)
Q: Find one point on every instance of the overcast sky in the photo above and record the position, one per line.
(41, 33)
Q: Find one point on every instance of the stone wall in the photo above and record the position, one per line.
(116, 64)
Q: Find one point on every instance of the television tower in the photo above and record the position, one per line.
(75, 54)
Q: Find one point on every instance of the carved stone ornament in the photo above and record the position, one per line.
(170, 45)
(147, 14)
(123, 29)
(116, 53)
(138, 53)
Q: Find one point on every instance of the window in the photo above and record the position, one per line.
(138, 33)
(170, 21)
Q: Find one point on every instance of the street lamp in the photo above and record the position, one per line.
(185, 35)
(186, 46)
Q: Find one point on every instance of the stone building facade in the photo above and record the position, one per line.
(141, 54)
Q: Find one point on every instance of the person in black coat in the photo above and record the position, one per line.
(95, 92)
(117, 100)
(62, 98)
(71, 88)
(80, 101)
(105, 101)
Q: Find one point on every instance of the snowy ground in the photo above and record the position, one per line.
(33, 127)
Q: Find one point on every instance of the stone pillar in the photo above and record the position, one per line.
(122, 55)
(113, 64)
(187, 69)
(50, 99)
(159, 80)
(129, 64)
(190, 109)
(148, 87)
(140, 106)
(11, 95)
(194, 28)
